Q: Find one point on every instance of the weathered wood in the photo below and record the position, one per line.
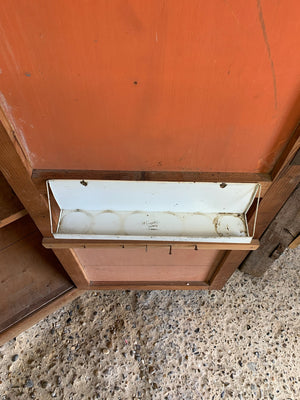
(31, 275)
(283, 229)
(51, 243)
(40, 177)
(17, 171)
(11, 208)
(39, 314)
(16, 231)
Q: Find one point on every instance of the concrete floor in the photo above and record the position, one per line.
(239, 343)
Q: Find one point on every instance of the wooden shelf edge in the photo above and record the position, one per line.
(51, 243)
(13, 217)
(149, 286)
(38, 315)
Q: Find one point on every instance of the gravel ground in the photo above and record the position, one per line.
(238, 343)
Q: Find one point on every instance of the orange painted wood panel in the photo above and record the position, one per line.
(153, 265)
(151, 85)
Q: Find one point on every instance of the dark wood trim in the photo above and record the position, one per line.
(51, 243)
(38, 314)
(39, 177)
(17, 171)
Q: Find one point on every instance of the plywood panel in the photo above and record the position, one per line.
(151, 85)
(39, 314)
(11, 208)
(153, 265)
(30, 275)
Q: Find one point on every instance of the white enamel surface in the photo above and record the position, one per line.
(171, 211)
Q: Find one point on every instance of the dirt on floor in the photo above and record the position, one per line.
(238, 343)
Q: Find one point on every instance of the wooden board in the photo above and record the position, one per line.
(50, 243)
(38, 314)
(151, 85)
(31, 276)
(15, 166)
(152, 266)
(40, 177)
(11, 208)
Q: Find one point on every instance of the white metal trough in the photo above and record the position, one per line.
(151, 211)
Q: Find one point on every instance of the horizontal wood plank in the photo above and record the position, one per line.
(40, 177)
(169, 285)
(51, 243)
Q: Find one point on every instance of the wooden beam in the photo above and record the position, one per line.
(17, 171)
(51, 243)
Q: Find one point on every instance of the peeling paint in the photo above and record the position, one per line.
(18, 131)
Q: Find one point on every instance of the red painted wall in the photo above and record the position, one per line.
(151, 85)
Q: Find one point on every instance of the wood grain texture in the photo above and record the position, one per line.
(11, 208)
(31, 275)
(50, 243)
(295, 243)
(16, 170)
(16, 231)
(151, 266)
(39, 314)
(151, 85)
(169, 285)
(40, 177)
